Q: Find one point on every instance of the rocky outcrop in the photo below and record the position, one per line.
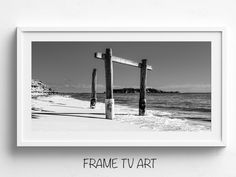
(38, 88)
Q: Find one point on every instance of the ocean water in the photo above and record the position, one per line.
(191, 106)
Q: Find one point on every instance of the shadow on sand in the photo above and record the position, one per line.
(35, 115)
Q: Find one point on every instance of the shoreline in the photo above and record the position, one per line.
(56, 110)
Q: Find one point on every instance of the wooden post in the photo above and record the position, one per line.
(143, 78)
(93, 100)
(109, 101)
(109, 59)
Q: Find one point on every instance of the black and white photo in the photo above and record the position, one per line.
(178, 90)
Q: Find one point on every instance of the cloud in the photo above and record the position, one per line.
(69, 86)
(85, 86)
(188, 88)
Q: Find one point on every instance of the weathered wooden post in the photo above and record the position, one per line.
(143, 78)
(109, 59)
(93, 100)
(109, 101)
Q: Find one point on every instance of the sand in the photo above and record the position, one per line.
(63, 113)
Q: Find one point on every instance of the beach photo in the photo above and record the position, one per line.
(69, 86)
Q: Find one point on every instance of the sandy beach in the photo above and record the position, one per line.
(63, 113)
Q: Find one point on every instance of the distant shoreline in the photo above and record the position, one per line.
(39, 88)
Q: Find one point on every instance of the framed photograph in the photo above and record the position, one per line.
(120, 87)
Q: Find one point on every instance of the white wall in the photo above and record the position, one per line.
(67, 162)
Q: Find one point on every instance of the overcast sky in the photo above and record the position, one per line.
(177, 66)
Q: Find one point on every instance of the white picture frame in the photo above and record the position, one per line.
(215, 138)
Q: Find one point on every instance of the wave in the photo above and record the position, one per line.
(182, 116)
(184, 108)
(180, 106)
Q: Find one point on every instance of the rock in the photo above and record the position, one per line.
(38, 88)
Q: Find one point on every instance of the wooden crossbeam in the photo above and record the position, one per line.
(119, 60)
